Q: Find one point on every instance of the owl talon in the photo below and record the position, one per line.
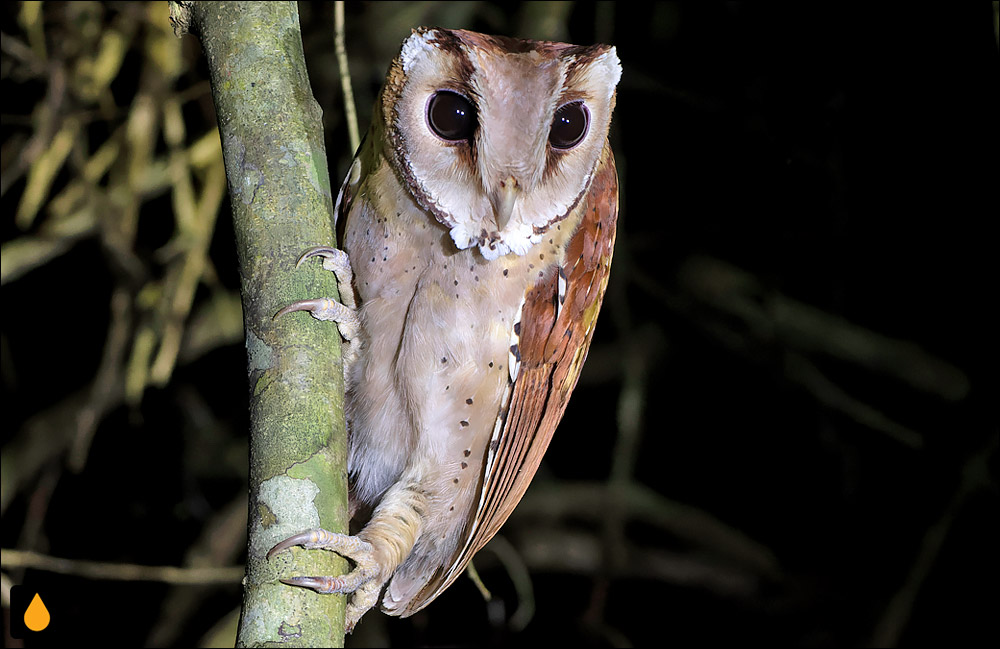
(339, 264)
(330, 310)
(333, 258)
(352, 547)
(344, 312)
(325, 585)
(361, 583)
(362, 599)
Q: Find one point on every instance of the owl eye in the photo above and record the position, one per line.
(451, 116)
(569, 125)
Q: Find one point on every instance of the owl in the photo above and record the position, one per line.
(477, 224)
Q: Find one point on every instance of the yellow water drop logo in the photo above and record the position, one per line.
(36, 617)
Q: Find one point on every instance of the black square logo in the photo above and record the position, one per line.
(33, 613)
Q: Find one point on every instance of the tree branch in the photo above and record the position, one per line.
(279, 187)
(197, 576)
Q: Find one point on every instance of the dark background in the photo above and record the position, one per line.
(786, 432)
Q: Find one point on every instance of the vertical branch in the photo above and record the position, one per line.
(281, 199)
(345, 76)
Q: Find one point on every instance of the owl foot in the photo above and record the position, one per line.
(362, 582)
(339, 264)
(325, 308)
(344, 312)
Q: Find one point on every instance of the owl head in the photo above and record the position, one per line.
(497, 138)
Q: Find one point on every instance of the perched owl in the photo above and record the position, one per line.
(478, 221)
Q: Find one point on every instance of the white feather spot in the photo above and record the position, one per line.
(355, 174)
(562, 292)
(517, 238)
(514, 353)
(514, 362)
(463, 237)
(491, 250)
(414, 48)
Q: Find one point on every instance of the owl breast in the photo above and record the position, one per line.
(434, 377)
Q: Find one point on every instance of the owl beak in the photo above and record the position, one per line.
(503, 201)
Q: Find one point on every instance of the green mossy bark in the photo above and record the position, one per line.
(272, 137)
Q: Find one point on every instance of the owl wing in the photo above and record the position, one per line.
(557, 322)
(348, 189)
